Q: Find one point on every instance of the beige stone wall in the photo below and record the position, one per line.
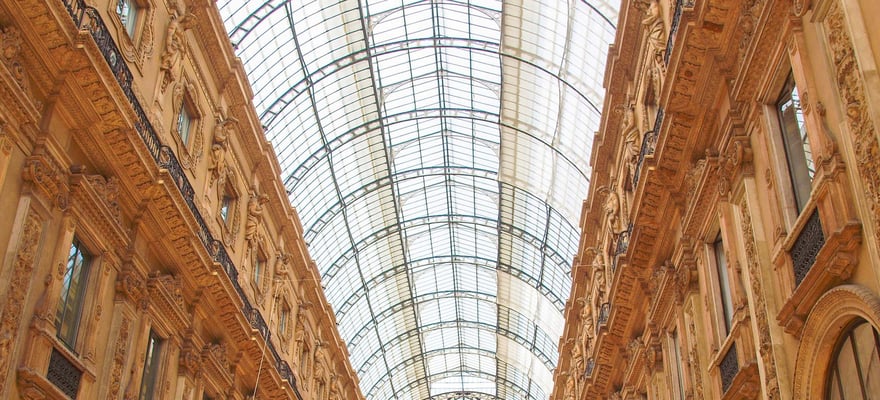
(77, 162)
(715, 165)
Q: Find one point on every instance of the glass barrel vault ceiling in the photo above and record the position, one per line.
(437, 153)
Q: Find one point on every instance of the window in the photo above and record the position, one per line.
(259, 266)
(73, 288)
(283, 319)
(854, 373)
(151, 367)
(184, 122)
(128, 11)
(679, 368)
(225, 204)
(723, 284)
(795, 142)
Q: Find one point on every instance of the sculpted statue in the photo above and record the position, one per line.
(653, 23)
(632, 140)
(175, 45)
(254, 218)
(612, 211)
(219, 148)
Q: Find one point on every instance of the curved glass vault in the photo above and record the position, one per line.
(437, 153)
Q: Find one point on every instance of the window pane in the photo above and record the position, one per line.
(797, 145)
(69, 308)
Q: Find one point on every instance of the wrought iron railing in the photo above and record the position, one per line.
(87, 18)
(673, 28)
(806, 247)
(728, 368)
(63, 374)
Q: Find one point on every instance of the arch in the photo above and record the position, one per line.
(832, 314)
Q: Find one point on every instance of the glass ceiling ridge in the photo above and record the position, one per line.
(437, 154)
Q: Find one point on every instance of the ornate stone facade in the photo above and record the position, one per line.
(728, 285)
(122, 233)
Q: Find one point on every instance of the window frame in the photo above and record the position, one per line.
(679, 371)
(153, 356)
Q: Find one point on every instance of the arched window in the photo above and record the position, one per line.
(855, 368)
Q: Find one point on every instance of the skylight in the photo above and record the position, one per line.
(437, 153)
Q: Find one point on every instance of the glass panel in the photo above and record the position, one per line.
(73, 289)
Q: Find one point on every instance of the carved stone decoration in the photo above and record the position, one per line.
(655, 50)
(632, 140)
(108, 189)
(765, 347)
(612, 209)
(175, 48)
(119, 358)
(190, 360)
(852, 93)
(192, 152)
(694, 360)
(692, 178)
(10, 41)
(130, 285)
(22, 268)
(47, 178)
(747, 24)
(800, 7)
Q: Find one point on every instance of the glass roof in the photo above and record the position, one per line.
(437, 153)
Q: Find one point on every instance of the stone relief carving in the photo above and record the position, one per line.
(254, 220)
(218, 168)
(119, 357)
(108, 189)
(20, 280)
(175, 47)
(860, 126)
